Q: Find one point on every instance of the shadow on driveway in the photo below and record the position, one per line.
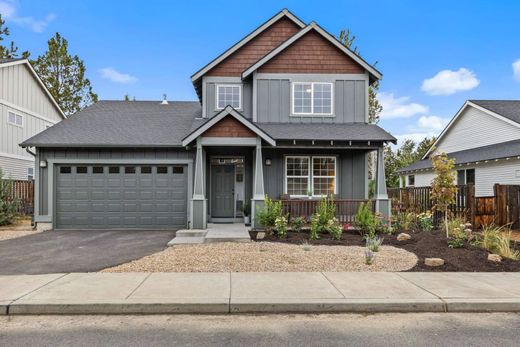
(77, 251)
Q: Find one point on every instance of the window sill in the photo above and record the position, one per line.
(313, 115)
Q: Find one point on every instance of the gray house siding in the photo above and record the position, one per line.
(274, 100)
(351, 171)
(97, 155)
(210, 98)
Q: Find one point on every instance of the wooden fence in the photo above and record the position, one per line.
(500, 209)
(346, 209)
(23, 191)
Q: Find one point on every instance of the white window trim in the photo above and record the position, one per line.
(239, 85)
(335, 173)
(309, 183)
(15, 115)
(312, 114)
(310, 176)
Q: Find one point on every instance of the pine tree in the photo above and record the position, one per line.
(64, 76)
(9, 51)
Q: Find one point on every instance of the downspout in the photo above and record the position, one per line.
(29, 151)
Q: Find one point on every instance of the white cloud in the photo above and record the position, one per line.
(516, 70)
(432, 123)
(399, 107)
(9, 10)
(448, 82)
(416, 137)
(116, 76)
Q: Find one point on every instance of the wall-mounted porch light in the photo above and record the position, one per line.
(268, 162)
(43, 163)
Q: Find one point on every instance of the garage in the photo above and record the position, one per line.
(121, 196)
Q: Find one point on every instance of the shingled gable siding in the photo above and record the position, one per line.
(228, 127)
(251, 52)
(312, 53)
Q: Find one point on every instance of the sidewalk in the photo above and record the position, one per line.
(150, 293)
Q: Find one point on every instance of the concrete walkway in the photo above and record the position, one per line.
(216, 232)
(145, 293)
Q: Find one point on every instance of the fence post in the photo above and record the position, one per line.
(470, 202)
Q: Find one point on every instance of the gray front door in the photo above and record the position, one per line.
(222, 191)
(121, 196)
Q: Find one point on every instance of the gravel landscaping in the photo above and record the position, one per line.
(21, 228)
(268, 256)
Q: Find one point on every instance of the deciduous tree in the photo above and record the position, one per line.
(443, 184)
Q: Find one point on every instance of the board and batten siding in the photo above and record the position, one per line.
(475, 128)
(210, 102)
(351, 171)
(99, 154)
(274, 101)
(18, 86)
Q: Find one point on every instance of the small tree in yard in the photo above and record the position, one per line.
(443, 185)
(8, 206)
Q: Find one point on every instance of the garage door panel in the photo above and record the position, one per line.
(121, 198)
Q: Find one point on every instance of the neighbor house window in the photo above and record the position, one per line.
(310, 174)
(312, 98)
(466, 176)
(411, 180)
(30, 173)
(14, 119)
(228, 94)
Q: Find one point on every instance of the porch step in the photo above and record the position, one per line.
(191, 233)
(190, 240)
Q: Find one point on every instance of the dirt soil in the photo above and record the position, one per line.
(422, 244)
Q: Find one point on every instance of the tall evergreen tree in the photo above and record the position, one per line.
(64, 76)
(8, 51)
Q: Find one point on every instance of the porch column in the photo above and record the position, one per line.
(383, 204)
(198, 201)
(257, 203)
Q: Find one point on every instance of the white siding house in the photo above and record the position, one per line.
(484, 140)
(26, 108)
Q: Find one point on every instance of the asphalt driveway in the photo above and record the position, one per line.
(77, 251)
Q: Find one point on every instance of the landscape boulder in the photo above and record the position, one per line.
(495, 258)
(403, 237)
(433, 262)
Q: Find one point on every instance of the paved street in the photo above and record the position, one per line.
(78, 250)
(425, 329)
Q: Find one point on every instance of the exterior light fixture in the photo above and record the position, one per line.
(268, 162)
(43, 163)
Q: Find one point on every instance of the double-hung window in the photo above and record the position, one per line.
(306, 174)
(14, 119)
(229, 94)
(312, 98)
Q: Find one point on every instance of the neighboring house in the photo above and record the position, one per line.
(281, 113)
(484, 140)
(26, 108)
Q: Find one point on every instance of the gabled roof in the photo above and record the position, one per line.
(228, 111)
(375, 74)
(18, 61)
(283, 13)
(510, 149)
(122, 124)
(506, 110)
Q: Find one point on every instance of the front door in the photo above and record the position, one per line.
(222, 191)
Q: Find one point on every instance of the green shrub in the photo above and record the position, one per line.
(267, 216)
(366, 220)
(456, 241)
(8, 206)
(374, 243)
(405, 220)
(425, 221)
(280, 225)
(297, 224)
(324, 220)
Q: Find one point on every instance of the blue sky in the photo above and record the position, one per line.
(433, 54)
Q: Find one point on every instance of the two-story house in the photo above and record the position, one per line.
(484, 140)
(26, 108)
(283, 112)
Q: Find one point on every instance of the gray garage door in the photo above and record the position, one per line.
(121, 196)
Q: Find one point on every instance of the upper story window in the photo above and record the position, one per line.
(312, 98)
(15, 119)
(229, 94)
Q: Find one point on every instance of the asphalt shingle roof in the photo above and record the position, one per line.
(507, 108)
(123, 123)
(491, 152)
(149, 123)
